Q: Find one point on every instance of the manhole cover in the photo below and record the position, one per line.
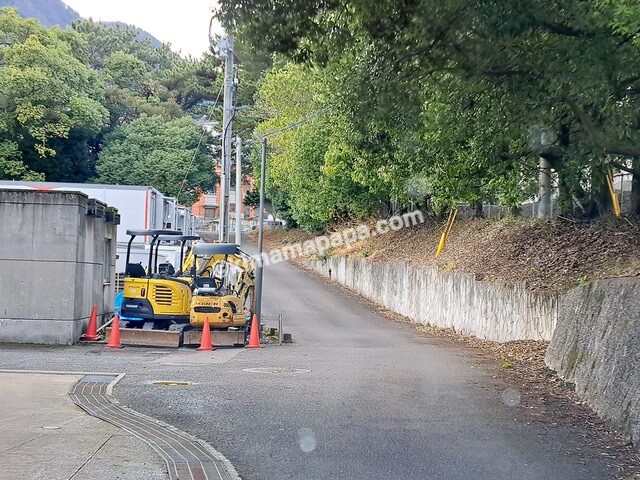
(276, 370)
(170, 383)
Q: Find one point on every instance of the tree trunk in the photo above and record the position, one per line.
(600, 199)
(565, 199)
(635, 189)
(476, 208)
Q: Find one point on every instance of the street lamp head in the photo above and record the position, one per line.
(541, 138)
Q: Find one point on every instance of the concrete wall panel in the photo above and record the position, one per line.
(52, 271)
(449, 300)
(43, 331)
(596, 345)
(38, 231)
(36, 290)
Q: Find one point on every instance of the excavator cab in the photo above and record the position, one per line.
(184, 267)
(223, 280)
(153, 297)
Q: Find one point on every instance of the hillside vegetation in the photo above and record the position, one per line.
(47, 12)
(372, 105)
(56, 12)
(90, 103)
(547, 255)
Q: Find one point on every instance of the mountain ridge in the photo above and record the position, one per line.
(56, 12)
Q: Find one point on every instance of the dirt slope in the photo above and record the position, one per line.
(548, 255)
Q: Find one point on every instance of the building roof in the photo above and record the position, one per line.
(46, 185)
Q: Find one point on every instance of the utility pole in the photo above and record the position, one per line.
(239, 201)
(260, 268)
(544, 192)
(226, 52)
(257, 307)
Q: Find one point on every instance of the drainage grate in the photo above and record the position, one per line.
(185, 457)
(97, 379)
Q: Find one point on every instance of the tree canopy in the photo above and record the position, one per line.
(75, 102)
(168, 154)
(457, 94)
(310, 164)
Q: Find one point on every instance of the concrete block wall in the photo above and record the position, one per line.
(51, 266)
(596, 345)
(486, 310)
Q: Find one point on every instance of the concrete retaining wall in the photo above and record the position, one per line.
(597, 346)
(486, 310)
(52, 268)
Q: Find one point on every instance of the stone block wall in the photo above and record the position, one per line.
(596, 345)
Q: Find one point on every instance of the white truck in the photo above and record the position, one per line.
(140, 208)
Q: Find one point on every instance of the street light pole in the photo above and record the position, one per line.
(226, 51)
(544, 189)
(239, 202)
(259, 269)
(257, 310)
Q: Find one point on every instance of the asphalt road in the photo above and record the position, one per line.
(356, 396)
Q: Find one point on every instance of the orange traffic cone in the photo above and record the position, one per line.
(114, 337)
(254, 337)
(205, 339)
(91, 335)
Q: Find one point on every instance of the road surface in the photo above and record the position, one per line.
(355, 397)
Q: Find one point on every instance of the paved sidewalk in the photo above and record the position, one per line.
(45, 436)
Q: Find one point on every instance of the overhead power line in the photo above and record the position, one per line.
(295, 124)
(195, 154)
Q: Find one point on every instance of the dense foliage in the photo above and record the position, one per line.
(156, 151)
(459, 97)
(94, 103)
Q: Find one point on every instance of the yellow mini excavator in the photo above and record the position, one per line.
(223, 292)
(151, 295)
(157, 301)
(165, 307)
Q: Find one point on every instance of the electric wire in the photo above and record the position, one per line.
(295, 124)
(195, 154)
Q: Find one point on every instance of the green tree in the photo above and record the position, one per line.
(571, 67)
(68, 94)
(102, 40)
(11, 165)
(49, 101)
(170, 155)
(309, 165)
(193, 80)
(127, 71)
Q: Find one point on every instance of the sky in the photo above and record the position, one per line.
(183, 23)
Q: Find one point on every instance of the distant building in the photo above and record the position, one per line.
(207, 208)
